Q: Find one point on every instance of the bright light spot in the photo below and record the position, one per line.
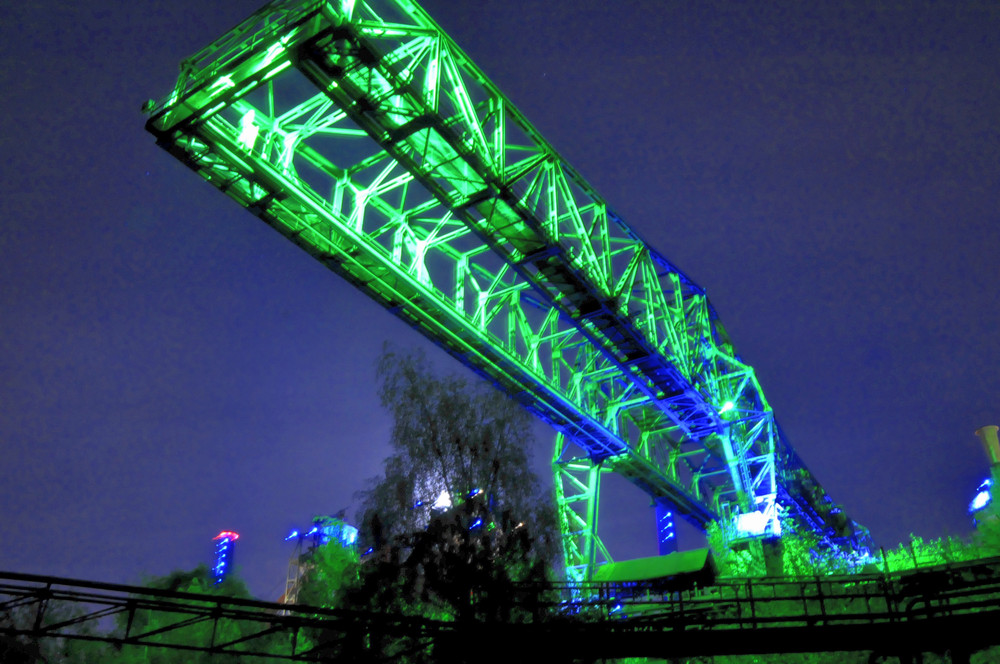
(726, 407)
(272, 53)
(984, 496)
(981, 500)
(751, 523)
(443, 501)
(222, 83)
(248, 130)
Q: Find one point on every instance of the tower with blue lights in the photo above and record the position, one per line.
(225, 545)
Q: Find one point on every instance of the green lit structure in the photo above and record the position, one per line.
(362, 133)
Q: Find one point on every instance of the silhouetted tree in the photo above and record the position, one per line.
(458, 516)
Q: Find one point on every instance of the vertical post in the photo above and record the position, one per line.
(819, 595)
(43, 602)
(593, 512)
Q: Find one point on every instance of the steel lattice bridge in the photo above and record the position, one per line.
(362, 133)
(944, 608)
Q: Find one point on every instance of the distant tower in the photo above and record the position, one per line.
(325, 529)
(225, 543)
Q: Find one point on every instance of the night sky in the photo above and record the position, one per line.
(171, 367)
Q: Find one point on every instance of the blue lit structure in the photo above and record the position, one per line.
(225, 545)
(326, 529)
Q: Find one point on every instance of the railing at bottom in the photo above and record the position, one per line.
(936, 608)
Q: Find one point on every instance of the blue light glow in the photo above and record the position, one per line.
(984, 496)
(476, 524)
(326, 529)
(666, 530)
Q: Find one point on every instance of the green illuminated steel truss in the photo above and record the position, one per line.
(362, 133)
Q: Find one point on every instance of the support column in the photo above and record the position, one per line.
(577, 483)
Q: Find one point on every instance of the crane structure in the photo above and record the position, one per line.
(361, 132)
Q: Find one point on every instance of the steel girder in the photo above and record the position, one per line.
(39, 607)
(361, 132)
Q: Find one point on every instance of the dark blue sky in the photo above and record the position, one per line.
(170, 367)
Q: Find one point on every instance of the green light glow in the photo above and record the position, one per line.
(222, 83)
(248, 130)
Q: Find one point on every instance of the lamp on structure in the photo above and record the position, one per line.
(982, 504)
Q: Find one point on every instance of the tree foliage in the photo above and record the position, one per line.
(741, 562)
(921, 552)
(469, 444)
(332, 569)
(197, 581)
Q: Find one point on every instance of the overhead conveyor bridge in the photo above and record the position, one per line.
(361, 132)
